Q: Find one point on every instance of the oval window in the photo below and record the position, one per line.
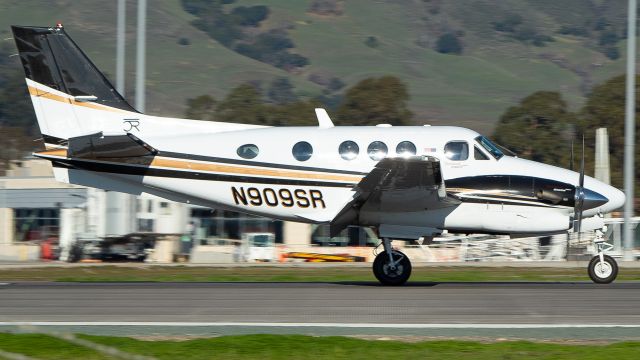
(377, 150)
(457, 150)
(302, 151)
(406, 149)
(248, 151)
(349, 150)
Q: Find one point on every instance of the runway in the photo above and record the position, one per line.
(329, 307)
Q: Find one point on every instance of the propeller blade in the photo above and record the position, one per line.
(571, 159)
(578, 210)
(582, 166)
(579, 196)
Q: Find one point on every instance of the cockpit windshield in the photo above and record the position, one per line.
(490, 147)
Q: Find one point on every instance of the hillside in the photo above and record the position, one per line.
(494, 71)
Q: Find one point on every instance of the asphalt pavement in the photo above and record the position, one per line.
(493, 309)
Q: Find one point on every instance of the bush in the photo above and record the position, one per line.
(326, 7)
(449, 44)
(574, 30)
(271, 48)
(250, 16)
(508, 24)
(612, 53)
(335, 84)
(372, 42)
(541, 40)
(608, 38)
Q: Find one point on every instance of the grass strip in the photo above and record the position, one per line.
(41, 346)
(295, 274)
(308, 347)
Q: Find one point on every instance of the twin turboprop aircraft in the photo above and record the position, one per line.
(407, 182)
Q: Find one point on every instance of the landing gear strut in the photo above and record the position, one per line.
(391, 267)
(602, 269)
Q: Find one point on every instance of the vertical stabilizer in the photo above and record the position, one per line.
(70, 95)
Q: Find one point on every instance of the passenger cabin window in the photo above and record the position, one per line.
(348, 150)
(478, 154)
(456, 150)
(248, 151)
(302, 151)
(377, 150)
(406, 149)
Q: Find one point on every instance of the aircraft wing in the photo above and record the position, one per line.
(397, 185)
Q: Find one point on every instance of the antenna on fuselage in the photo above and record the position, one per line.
(324, 121)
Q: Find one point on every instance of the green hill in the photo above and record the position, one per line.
(494, 71)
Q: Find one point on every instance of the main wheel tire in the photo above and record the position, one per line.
(388, 276)
(603, 273)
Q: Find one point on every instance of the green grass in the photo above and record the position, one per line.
(307, 347)
(473, 90)
(295, 274)
(46, 347)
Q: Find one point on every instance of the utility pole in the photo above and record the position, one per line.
(120, 46)
(629, 130)
(140, 54)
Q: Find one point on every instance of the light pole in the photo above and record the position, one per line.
(120, 46)
(140, 54)
(629, 129)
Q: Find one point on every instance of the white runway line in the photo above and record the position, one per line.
(319, 325)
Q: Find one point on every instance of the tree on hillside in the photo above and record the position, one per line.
(449, 44)
(250, 16)
(243, 105)
(605, 107)
(537, 128)
(281, 91)
(18, 125)
(326, 7)
(376, 101)
(298, 113)
(202, 107)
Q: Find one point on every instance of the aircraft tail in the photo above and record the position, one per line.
(65, 86)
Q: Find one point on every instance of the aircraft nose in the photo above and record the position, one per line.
(616, 199)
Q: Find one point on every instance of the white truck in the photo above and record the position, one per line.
(258, 247)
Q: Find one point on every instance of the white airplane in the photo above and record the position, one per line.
(406, 182)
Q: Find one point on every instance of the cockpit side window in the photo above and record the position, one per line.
(457, 150)
(490, 147)
(478, 154)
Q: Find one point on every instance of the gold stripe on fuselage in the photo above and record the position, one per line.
(172, 164)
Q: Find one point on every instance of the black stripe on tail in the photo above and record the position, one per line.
(50, 57)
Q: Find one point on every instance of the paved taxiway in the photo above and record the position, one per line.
(246, 305)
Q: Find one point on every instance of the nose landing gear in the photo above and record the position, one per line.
(602, 268)
(391, 267)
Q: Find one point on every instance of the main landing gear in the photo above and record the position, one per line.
(391, 267)
(602, 268)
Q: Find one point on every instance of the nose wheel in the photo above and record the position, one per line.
(602, 269)
(391, 267)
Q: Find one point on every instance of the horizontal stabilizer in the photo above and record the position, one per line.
(96, 146)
